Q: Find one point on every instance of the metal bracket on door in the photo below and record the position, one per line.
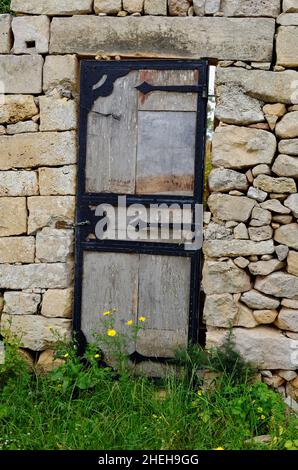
(146, 88)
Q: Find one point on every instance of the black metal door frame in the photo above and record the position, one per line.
(91, 73)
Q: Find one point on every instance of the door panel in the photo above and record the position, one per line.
(166, 152)
(164, 301)
(110, 281)
(142, 135)
(112, 139)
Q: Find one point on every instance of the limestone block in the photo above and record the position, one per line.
(225, 207)
(235, 248)
(199, 7)
(290, 303)
(260, 217)
(57, 303)
(288, 147)
(286, 165)
(57, 114)
(52, 7)
(271, 87)
(18, 183)
(47, 210)
(292, 261)
(47, 362)
(26, 72)
(110, 7)
(245, 317)
(61, 71)
(217, 232)
(22, 128)
(178, 7)
(17, 249)
(287, 46)
(277, 109)
(57, 181)
(263, 268)
(265, 317)
(290, 6)
(241, 147)
(220, 310)
(292, 203)
(156, 7)
(54, 246)
(15, 108)
(287, 235)
(192, 37)
(257, 194)
(21, 303)
(35, 331)
(274, 205)
(135, 6)
(224, 277)
(241, 262)
(241, 232)
(263, 346)
(282, 219)
(275, 185)
(222, 180)
(259, 234)
(37, 149)
(251, 8)
(235, 107)
(287, 320)
(31, 34)
(212, 6)
(5, 34)
(13, 216)
(288, 19)
(31, 276)
(288, 126)
(279, 284)
(257, 301)
(282, 252)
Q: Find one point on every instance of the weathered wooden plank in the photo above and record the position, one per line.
(166, 152)
(191, 37)
(164, 101)
(164, 301)
(110, 280)
(112, 139)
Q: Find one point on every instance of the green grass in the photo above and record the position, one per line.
(4, 6)
(89, 408)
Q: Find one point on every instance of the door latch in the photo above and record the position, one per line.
(64, 225)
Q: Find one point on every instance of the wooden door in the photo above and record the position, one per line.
(142, 130)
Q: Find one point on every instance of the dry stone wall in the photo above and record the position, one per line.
(251, 238)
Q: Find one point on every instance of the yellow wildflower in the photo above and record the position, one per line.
(111, 332)
(105, 314)
(129, 322)
(142, 319)
(66, 355)
(97, 356)
(262, 417)
(219, 448)
(259, 409)
(200, 393)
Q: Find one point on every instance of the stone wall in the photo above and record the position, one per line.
(251, 238)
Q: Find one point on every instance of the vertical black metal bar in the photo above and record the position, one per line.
(195, 315)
